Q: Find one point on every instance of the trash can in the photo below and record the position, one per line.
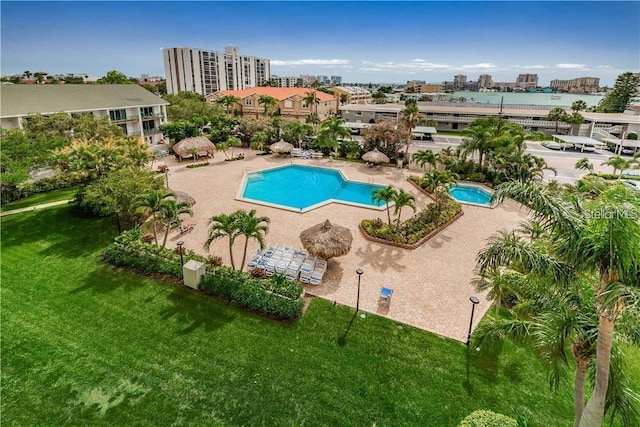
(192, 272)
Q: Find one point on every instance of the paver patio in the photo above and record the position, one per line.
(431, 284)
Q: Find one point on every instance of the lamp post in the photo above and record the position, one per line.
(118, 221)
(474, 302)
(359, 272)
(180, 243)
(166, 177)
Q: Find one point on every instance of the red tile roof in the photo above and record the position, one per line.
(280, 93)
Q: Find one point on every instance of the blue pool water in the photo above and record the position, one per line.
(470, 194)
(301, 187)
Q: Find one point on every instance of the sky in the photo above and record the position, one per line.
(379, 42)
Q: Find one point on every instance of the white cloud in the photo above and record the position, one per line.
(482, 66)
(533, 67)
(572, 66)
(605, 67)
(325, 62)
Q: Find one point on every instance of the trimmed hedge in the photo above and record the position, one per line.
(484, 418)
(13, 193)
(273, 296)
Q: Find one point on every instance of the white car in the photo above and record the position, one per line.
(552, 145)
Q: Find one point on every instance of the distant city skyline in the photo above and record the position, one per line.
(378, 42)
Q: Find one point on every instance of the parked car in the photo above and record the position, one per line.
(552, 145)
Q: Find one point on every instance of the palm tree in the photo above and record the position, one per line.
(311, 99)
(267, 102)
(598, 238)
(410, 116)
(402, 199)
(425, 157)
(297, 130)
(170, 211)
(252, 227)
(584, 164)
(151, 205)
(334, 129)
(488, 134)
(499, 284)
(618, 164)
(224, 225)
(578, 106)
(557, 114)
(437, 178)
(344, 98)
(228, 101)
(574, 118)
(386, 195)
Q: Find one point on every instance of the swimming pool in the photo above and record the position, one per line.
(303, 188)
(471, 195)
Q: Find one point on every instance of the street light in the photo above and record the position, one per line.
(180, 243)
(118, 220)
(359, 272)
(474, 301)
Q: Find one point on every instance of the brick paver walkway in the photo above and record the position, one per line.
(431, 284)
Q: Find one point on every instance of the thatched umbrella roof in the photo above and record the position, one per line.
(182, 196)
(281, 147)
(375, 156)
(201, 143)
(327, 240)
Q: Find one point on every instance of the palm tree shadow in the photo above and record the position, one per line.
(342, 339)
(381, 257)
(193, 311)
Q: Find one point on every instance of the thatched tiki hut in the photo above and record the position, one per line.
(327, 240)
(196, 146)
(375, 156)
(281, 147)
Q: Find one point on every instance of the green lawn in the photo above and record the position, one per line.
(87, 344)
(41, 198)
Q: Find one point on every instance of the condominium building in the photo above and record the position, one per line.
(415, 87)
(527, 81)
(485, 81)
(336, 80)
(354, 94)
(136, 110)
(204, 72)
(459, 81)
(560, 85)
(291, 102)
(287, 81)
(584, 85)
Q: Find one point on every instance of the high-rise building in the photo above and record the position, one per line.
(323, 80)
(336, 80)
(527, 81)
(584, 85)
(205, 72)
(287, 81)
(485, 81)
(560, 85)
(459, 81)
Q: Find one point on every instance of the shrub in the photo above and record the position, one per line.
(484, 418)
(148, 238)
(11, 193)
(215, 260)
(476, 177)
(258, 272)
(632, 136)
(274, 296)
(197, 165)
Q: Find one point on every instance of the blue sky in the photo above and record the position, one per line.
(361, 41)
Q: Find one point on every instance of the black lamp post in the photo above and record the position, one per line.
(180, 243)
(474, 302)
(118, 221)
(359, 272)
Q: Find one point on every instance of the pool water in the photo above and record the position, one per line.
(471, 195)
(302, 188)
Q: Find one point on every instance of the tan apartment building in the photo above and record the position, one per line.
(355, 94)
(584, 85)
(416, 87)
(291, 103)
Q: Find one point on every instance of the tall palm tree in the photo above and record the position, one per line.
(386, 195)
(334, 129)
(267, 102)
(228, 101)
(297, 130)
(224, 225)
(151, 205)
(618, 164)
(410, 116)
(437, 178)
(252, 227)
(557, 114)
(311, 99)
(170, 211)
(598, 238)
(584, 164)
(402, 199)
(425, 157)
(499, 284)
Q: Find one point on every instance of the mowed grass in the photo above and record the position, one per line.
(41, 198)
(87, 344)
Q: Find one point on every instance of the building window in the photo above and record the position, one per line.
(117, 115)
(248, 101)
(288, 103)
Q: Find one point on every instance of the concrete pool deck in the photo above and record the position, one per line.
(431, 284)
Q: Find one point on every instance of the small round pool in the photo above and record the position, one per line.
(470, 194)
